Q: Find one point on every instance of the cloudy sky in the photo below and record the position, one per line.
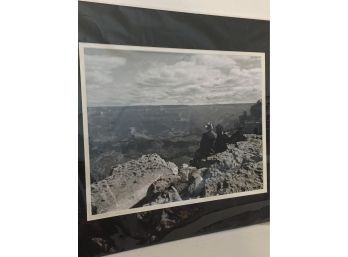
(125, 78)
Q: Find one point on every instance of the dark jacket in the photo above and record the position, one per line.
(221, 142)
(207, 144)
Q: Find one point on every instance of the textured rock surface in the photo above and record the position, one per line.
(128, 183)
(237, 169)
(150, 180)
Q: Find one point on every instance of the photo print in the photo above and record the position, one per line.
(165, 127)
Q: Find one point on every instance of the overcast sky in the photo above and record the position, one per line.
(125, 78)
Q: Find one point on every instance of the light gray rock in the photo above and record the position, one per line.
(173, 167)
(238, 169)
(128, 184)
(196, 186)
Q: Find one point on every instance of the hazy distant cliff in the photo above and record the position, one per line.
(121, 134)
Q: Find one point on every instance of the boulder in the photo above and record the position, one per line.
(129, 183)
(196, 186)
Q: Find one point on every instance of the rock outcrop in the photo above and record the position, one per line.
(237, 169)
(150, 180)
(129, 183)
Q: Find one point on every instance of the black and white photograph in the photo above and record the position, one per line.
(166, 127)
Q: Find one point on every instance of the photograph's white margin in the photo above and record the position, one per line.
(85, 130)
(82, 47)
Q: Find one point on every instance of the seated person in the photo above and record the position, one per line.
(207, 143)
(221, 140)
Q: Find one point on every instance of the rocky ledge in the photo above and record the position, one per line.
(128, 183)
(151, 180)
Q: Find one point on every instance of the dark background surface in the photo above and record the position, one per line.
(111, 24)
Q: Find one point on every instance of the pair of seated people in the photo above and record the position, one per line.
(213, 142)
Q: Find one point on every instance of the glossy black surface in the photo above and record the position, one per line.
(111, 24)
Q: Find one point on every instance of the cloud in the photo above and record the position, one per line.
(151, 79)
(204, 79)
(99, 69)
(215, 61)
(102, 62)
